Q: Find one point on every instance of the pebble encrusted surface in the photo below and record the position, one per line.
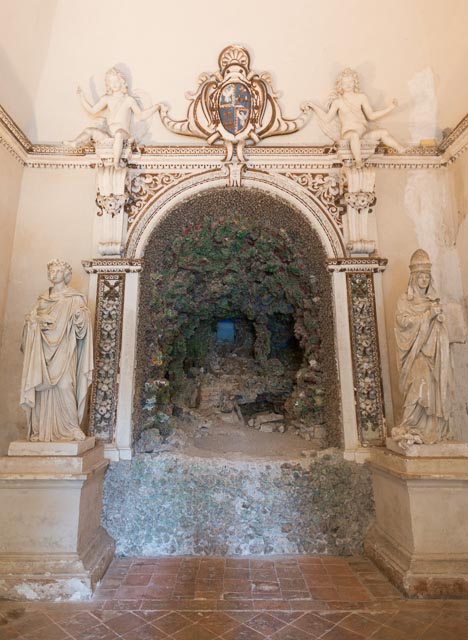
(173, 504)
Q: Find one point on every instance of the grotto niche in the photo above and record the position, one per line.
(236, 350)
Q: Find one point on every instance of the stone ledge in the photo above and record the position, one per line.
(57, 448)
(398, 464)
(439, 450)
(52, 466)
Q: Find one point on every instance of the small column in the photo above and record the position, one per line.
(358, 353)
(52, 544)
(116, 285)
(420, 537)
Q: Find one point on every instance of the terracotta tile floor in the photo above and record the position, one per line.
(283, 598)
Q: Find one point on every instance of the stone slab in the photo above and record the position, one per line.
(439, 450)
(57, 448)
(53, 467)
(418, 467)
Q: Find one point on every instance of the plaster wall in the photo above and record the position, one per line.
(54, 220)
(304, 44)
(25, 28)
(11, 172)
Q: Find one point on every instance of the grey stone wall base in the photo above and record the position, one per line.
(173, 504)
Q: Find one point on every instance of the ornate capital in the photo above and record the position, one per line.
(111, 205)
(360, 200)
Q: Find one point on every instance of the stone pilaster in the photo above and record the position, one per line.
(110, 285)
(360, 274)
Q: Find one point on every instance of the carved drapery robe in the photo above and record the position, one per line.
(58, 364)
(424, 365)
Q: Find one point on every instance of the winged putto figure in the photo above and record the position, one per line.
(235, 106)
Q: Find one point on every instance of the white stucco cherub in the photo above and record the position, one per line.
(354, 112)
(117, 106)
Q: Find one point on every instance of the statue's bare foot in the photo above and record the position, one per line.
(77, 434)
(70, 143)
(34, 438)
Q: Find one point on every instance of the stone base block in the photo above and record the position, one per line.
(420, 538)
(422, 576)
(52, 546)
(57, 577)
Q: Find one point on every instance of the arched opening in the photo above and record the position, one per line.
(236, 346)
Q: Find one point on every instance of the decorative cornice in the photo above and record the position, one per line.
(113, 265)
(357, 265)
(203, 156)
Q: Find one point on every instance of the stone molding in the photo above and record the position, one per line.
(197, 156)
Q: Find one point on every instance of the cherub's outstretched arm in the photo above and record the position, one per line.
(325, 116)
(92, 109)
(376, 115)
(143, 114)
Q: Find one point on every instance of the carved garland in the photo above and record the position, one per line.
(366, 359)
(110, 297)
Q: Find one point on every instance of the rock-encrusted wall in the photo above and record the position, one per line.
(172, 504)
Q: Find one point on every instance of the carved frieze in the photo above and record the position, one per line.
(143, 187)
(324, 187)
(366, 359)
(110, 296)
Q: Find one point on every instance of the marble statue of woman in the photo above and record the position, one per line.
(424, 363)
(117, 106)
(58, 360)
(354, 113)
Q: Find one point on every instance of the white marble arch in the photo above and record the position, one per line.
(332, 240)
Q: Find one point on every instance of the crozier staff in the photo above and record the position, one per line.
(58, 360)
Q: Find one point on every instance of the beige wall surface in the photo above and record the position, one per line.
(398, 49)
(25, 28)
(55, 220)
(11, 172)
(418, 209)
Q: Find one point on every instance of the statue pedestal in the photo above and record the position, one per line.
(420, 537)
(52, 546)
